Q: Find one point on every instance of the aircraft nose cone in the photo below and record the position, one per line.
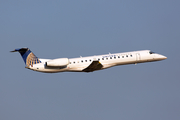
(162, 57)
(165, 57)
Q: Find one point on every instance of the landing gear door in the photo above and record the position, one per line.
(138, 57)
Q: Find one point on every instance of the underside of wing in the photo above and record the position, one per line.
(95, 65)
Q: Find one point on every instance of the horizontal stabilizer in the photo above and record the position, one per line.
(20, 50)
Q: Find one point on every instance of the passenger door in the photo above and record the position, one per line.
(138, 57)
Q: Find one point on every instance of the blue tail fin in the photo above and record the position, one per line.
(28, 57)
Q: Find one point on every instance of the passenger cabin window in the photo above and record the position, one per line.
(102, 58)
(114, 57)
(85, 60)
(126, 55)
(131, 55)
(81, 60)
(110, 57)
(118, 56)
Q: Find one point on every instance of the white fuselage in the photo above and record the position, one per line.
(107, 60)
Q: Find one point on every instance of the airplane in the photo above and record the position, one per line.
(86, 64)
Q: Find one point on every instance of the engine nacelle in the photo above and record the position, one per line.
(60, 62)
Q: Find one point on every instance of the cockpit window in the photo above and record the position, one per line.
(151, 52)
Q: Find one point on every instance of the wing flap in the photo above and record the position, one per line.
(95, 65)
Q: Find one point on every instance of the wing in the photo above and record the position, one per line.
(95, 65)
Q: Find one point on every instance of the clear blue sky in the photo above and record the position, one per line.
(68, 28)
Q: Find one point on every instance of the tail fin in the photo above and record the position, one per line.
(28, 57)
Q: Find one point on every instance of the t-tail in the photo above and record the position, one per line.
(29, 58)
